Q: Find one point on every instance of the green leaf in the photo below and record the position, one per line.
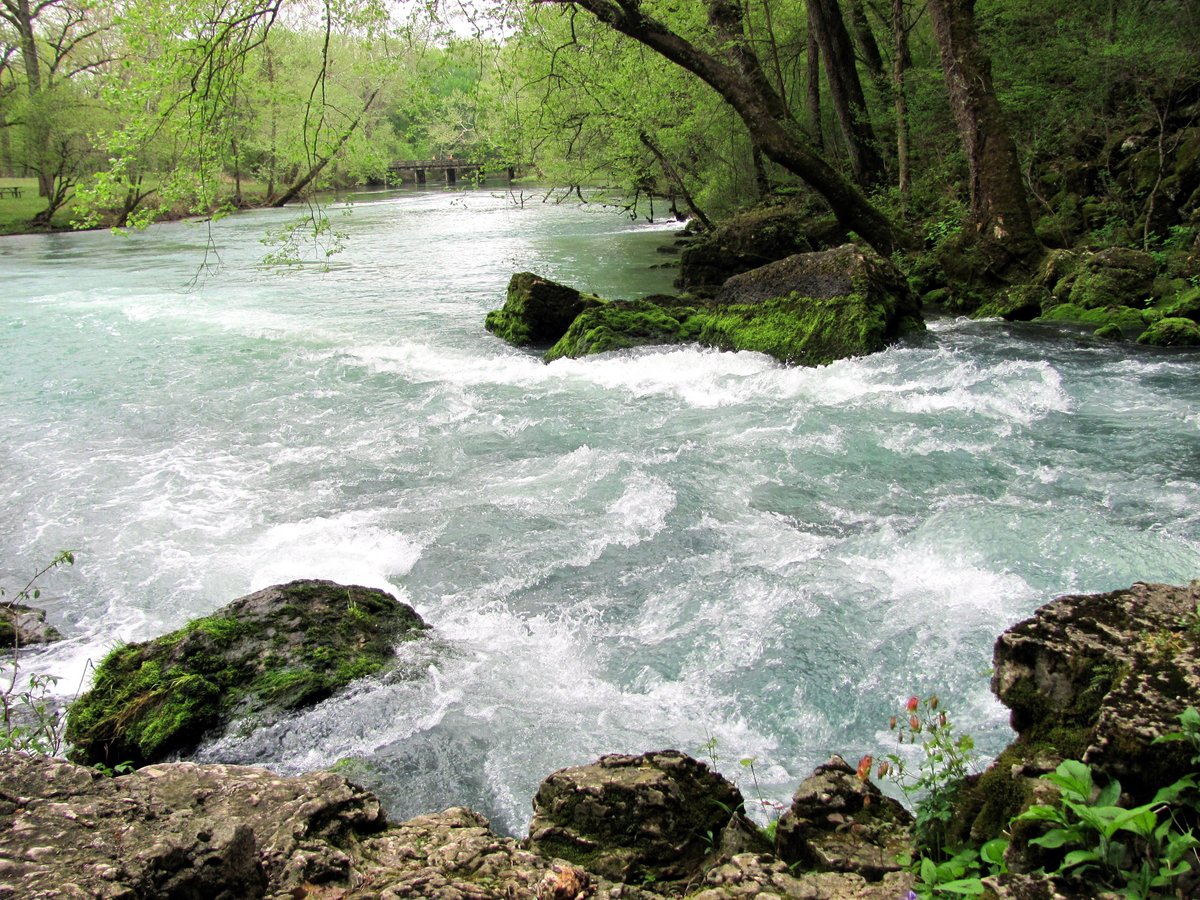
(1057, 837)
(993, 851)
(929, 871)
(1078, 858)
(967, 887)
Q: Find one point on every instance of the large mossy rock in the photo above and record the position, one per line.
(752, 239)
(536, 311)
(839, 823)
(809, 309)
(275, 650)
(1116, 276)
(648, 818)
(1173, 331)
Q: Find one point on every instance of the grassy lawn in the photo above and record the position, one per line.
(15, 215)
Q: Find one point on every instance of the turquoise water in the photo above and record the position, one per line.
(637, 551)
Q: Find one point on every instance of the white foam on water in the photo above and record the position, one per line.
(354, 547)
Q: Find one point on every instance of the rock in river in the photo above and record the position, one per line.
(279, 649)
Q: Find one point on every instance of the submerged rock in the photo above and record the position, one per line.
(275, 650)
(22, 625)
(650, 818)
(536, 310)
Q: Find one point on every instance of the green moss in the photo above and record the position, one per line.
(1131, 322)
(151, 699)
(508, 327)
(793, 329)
(1172, 332)
(622, 324)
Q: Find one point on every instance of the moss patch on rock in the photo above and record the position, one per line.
(276, 650)
(536, 310)
(1130, 322)
(1172, 332)
(622, 324)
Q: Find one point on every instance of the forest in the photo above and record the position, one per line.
(986, 131)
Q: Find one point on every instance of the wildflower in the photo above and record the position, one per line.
(883, 769)
(892, 723)
(933, 701)
(912, 704)
(864, 767)
(914, 723)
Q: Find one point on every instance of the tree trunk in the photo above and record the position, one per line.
(999, 207)
(320, 162)
(813, 96)
(901, 61)
(846, 91)
(674, 177)
(768, 121)
(868, 47)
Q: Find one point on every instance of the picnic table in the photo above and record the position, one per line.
(14, 192)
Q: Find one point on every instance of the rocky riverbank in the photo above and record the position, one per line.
(1097, 677)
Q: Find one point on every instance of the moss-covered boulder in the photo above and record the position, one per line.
(536, 311)
(22, 625)
(809, 309)
(275, 650)
(1114, 277)
(752, 239)
(1123, 321)
(1020, 303)
(1172, 332)
(623, 324)
(648, 818)
(1185, 305)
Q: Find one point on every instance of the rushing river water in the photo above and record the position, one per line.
(665, 548)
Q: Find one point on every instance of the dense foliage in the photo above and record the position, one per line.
(893, 111)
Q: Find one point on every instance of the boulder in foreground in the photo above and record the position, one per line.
(649, 818)
(279, 649)
(22, 625)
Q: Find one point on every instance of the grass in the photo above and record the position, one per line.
(16, 214)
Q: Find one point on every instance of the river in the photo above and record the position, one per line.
(665, 548)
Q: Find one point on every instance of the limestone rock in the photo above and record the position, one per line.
(178, 830)
(279, 649)
(22, 625)
(838, 823)
(1099, 676)
(1020, 303)
(752, 239)
(652, 817)
(537, 310)
(213, 832)
(764, 877)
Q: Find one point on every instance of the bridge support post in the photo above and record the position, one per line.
(420, 176)
(451, 176)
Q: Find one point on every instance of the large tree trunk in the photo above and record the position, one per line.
(813, 97)
(319, 163)
(846, 91)
(901, 61)
(999, 207)
(768, 121)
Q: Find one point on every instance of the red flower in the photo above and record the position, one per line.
(864, 767)
(912, 705)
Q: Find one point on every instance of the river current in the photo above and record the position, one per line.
(665, 548)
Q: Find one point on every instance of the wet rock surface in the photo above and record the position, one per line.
(278, 649)
(652, 817)
(837, 823)
(22, 626)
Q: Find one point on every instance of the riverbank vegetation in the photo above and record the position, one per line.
(983, 131)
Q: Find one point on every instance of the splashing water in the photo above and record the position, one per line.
(631, 552)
